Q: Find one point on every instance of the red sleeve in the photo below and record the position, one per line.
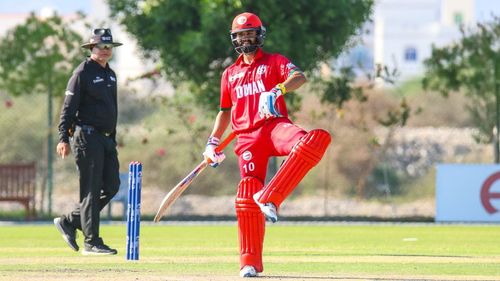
(285, 66)
(225, 93)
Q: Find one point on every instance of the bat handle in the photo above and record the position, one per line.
(225, 142)
(221, 146)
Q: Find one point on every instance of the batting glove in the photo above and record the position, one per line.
(215, 157)
(267, 103)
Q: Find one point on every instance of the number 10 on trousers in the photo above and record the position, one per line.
(134, 209)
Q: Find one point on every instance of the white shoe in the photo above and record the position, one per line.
(248, 271)
(269, 209)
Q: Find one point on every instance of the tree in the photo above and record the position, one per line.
(471, 66)
(368, 111)
(191, 41)
(37, 57)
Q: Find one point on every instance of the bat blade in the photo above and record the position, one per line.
(178, 190)
(175, 192)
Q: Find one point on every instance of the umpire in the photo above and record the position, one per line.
(88, 119)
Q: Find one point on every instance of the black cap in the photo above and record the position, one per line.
(101, 36)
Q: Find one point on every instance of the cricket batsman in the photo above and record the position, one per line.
(252, 99)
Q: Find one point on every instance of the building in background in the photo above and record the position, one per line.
(402, 32)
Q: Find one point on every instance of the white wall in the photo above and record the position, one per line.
(449, 8)
(399, 24)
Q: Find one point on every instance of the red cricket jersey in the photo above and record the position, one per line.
(242, 83)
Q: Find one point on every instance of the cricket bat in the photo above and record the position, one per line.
(175, 192)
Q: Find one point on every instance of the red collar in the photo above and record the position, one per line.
(258, 54)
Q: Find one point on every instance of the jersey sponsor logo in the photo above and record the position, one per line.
(236, 76)
(97, 79)
(247, 155)
(112, 78)
(249, 89)
(69, 93)
(261, 69)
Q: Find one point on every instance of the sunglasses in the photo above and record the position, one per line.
(104, 46)
(101, 31)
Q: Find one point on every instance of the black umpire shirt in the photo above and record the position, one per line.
(91, 99)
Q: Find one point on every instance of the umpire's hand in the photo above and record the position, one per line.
(63, 149)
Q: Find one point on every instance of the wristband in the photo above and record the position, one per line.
(213, 141)
(282, 88)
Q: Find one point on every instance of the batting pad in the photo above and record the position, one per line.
(304, 156)
(251, 223)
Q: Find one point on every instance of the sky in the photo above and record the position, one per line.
(486, 7)
(61, 6)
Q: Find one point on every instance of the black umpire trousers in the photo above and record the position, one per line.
(97, 162)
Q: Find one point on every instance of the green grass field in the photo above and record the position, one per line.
(291, 252)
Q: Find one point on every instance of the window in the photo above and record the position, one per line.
(410, 54)
(458, 18)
